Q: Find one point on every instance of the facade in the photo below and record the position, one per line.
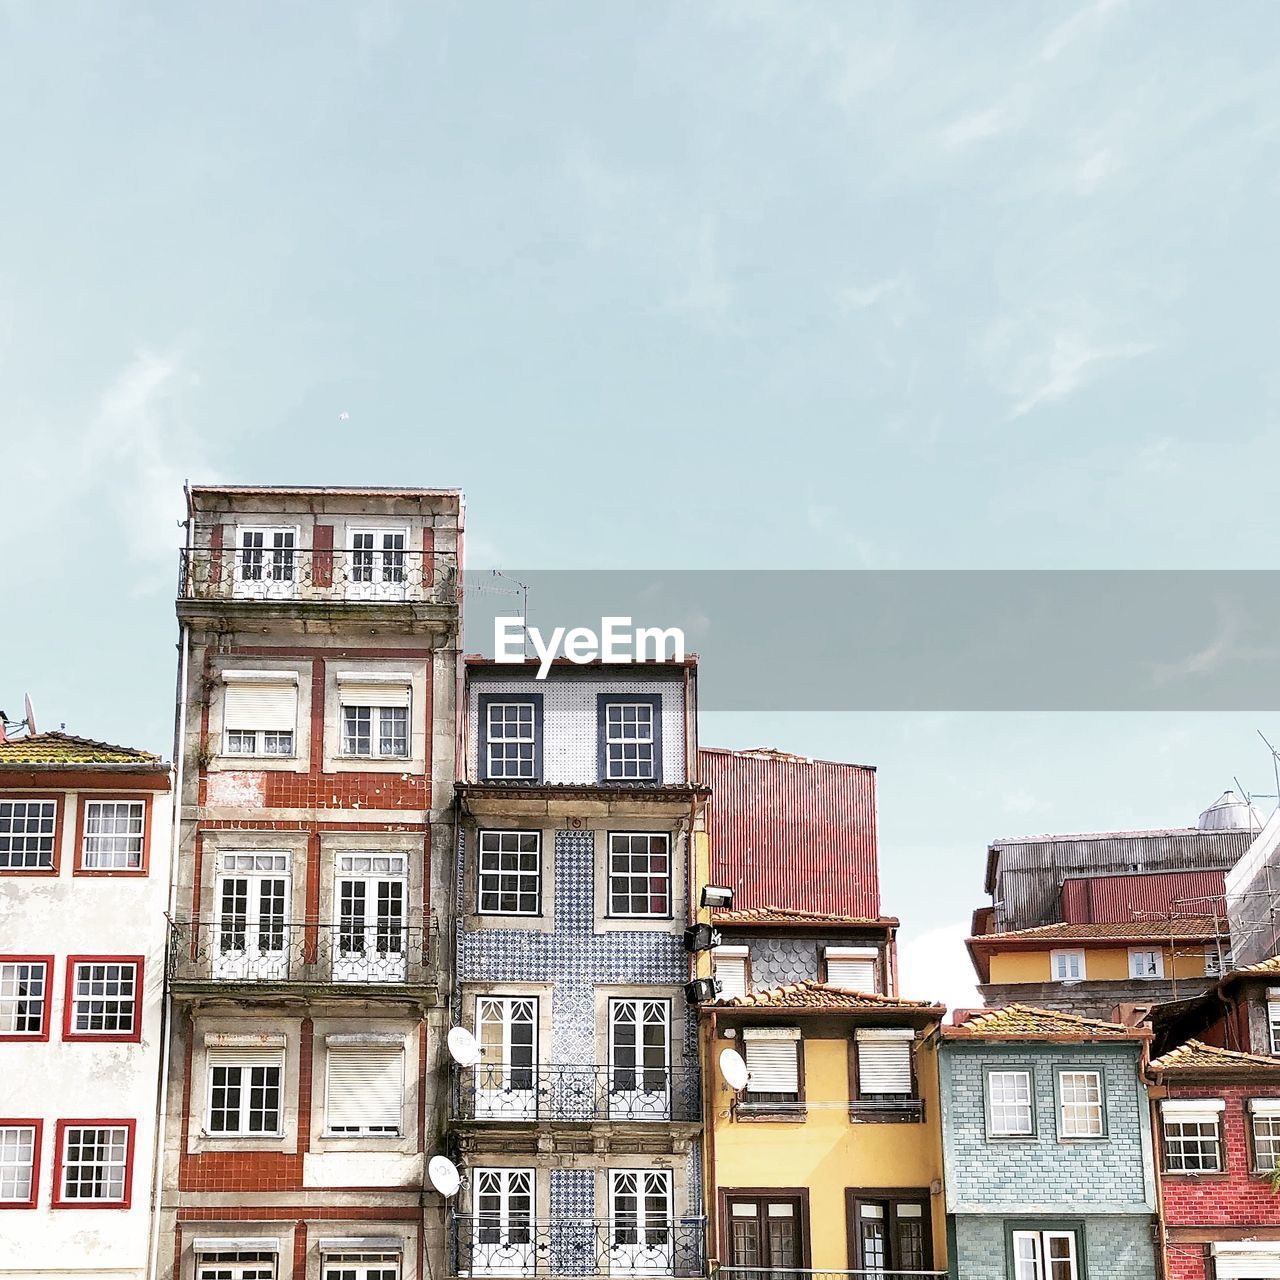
(578, 1128)
(1253, 896)
(1241, 1012)
(85, 834)
(1047, 1146)
(1218, 1118)
(316, 714)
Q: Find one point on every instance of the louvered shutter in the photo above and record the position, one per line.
(884, 1061)
(364, 1088)
(367, 690)
(773, 1060)
(852, 967)
(731, 969)
(256, 701)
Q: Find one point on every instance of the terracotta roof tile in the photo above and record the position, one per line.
(1022, 1022)
(818, 995)
(770, 915)
(1271, 965)
(1194, 927)
(67, 749)
(1195, 1055)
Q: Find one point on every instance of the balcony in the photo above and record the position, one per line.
(235, 953)
(499, 1094)
(484, 1245)
(796, 1273)
(313, 575)
(887, 1110)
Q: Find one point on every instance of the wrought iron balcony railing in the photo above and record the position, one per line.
(501, 1092)
(507, 1245)
(238, 951)
(888, 1110)
(317, 575)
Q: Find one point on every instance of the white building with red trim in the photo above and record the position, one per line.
(85, 834)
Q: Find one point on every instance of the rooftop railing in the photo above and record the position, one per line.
(289, 574)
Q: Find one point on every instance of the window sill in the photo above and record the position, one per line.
(897, 1111)
(327, 1136)
(772, 1112)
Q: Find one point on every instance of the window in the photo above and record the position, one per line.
(773, 1068)
(364, 1090)
(28, 834)
(639, 1059)
(259, 712)
(885, 1075)
(235, 1264)
(1045, 1255)
(252, 921)
(731, 971)
(114, 835)
(103, 998)
(19, 1163)
(1145, 964)
(1009, 1109)
(244, 1093)
(640, 1221)
(1192, 1135)
(1218, 960)
(1080, 1104)
(766, 1232)
(375, 715)
(510, 738)
(24, 997)
(377, 564)
(1264, 1114)
(889, 1233)
(503, 1241)
(853, 968)
(1273, 1017)
(94, 1164)
(266, 562)
(506, 1077)
(372, 891)
(639, 874)
(1067, 966)
(510, 873)
(630, 738)
(362, 1266)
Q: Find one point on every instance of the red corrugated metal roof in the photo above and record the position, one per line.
(793, 833)
(1117, 899)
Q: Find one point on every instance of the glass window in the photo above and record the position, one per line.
(24, 985)
(27, 834)
(244, 1094)
(17, 1163)
(1266, 1138)
(113, 834)
(1191, 1143)
(1067, 966)
(1080, 1102)
(373, 892)
(367, 728)
(104, 998)
(639, 874)
(1009, 1103)
(1044, 1255)
(511, 739)
(630, 741)
(510, 872)
(95, 1164)
(1145, 964)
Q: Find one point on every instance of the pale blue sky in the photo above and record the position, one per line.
(722, 284)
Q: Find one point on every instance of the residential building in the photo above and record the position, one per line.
(1239, 1011)
(316, 711)
(1253, 897)
(1218, 1115)
(578, 1128)
(85, 834)
(1047, 1143)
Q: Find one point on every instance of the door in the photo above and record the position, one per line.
(266, 564)
(765, 1235)
(506, 1075)
(890, 1234)
(377, 564)
(252, 924)
(370, 932)
(640, 1227)
(639, 1059)
(503, 1243)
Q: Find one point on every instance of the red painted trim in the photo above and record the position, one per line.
(68, 1001)
(305, 651)
(59, 1151)
(59, 799)
(27, 1122)
(83, 778)
(138, 873)
(47, 961)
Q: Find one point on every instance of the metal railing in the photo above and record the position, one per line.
(800, 1273)
(237, 951)
(489, 1245)
(317, 574)
(501, 1092)
(903, 1110)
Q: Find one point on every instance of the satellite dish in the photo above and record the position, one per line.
(31, 713)
(733, 1069)
(463, 1047)
(443, 1174)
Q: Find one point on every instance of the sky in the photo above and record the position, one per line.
(749, 284)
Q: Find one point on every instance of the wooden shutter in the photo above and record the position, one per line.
(852, 967)
(364, 1087)
(884, 1061)
(773, 1059)
(260, 701)
(368, 690)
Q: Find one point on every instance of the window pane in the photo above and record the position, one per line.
(17, 1155)
(113, 834)
(22, 993)
(27, 834)
(357, 731)
(639, 875)
(105, 999)
(510, 740)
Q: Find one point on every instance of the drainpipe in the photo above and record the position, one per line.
(1162, 1238)
(710, 1185)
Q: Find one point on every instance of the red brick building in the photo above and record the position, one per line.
(1218, 1144)
(316, 709)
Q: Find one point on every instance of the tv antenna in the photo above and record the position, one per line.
(28, 722)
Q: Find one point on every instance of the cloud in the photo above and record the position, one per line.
(978, 126)
(935, 966)
(707, 294)
(1093, 17)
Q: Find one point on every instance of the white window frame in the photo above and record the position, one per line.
(277, 574)
(506, 1089)
(258, 958)
(129, 843)
(82, 1001)
(47, 816)
(1070, 1109)
(15, 997)
(1146, 964)
(784, 1059)
(498, 875)
(1266, 1110)
(1036, 1262)
(895, 1047)
(640, 1243)
(1217, 962)
(624, 736)
(639, 1062)
(385, 1066)
(399, 701)
(630, 873)
(845, 963)
(236, 1264)
(730, 967)
(513, 1251)
(108, 1166)
(1063, 961)
(245, 1061)
(1175, 1114)
(370, 946)
(1021, 1081)
(1273, 1018)
(260, 736)
(517, 738)
(17, 1139)
(368, 1265)
(385, 574)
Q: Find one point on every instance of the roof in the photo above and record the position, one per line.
(788, 917)
(1023, 1022)
(821, 996)
(777, 753)
(54, 750)
(1194, 927)
(1196, 1056)
(399, 491)
(1264, 968)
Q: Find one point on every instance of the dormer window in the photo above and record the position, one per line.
(630, 730)
(510, 744)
